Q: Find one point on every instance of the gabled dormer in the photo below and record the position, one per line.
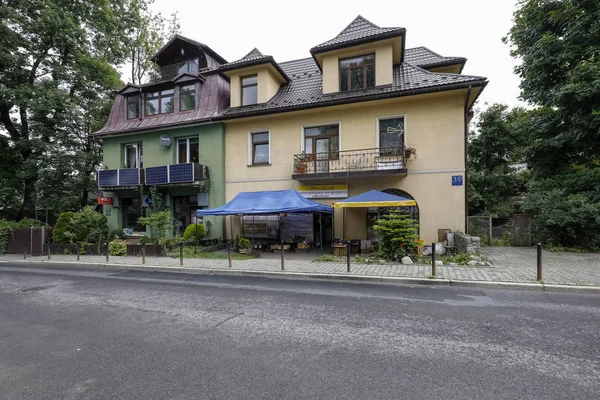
(183, 55)
(360, 56)
(253, 79)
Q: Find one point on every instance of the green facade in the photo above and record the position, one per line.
(211, 154)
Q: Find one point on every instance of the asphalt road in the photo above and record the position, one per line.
(150, 335)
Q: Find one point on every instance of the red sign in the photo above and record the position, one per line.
(105, 200)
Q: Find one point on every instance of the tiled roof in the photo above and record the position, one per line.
(306, 88)
(422, 56)
(252, 57)
(360, 29)
(255, 57)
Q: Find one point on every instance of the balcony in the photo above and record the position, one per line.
(176, 174)
(172, 70)
(350, 164)
(120, 178)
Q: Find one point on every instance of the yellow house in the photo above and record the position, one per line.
(362, 113)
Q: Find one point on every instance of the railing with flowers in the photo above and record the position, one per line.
(376, 159)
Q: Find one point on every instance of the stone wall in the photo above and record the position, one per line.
(466, 243)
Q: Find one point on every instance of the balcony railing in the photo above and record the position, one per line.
(120, 177)
(176, 173)
(362, 162)
(172, 70)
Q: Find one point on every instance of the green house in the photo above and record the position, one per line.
(164, 135)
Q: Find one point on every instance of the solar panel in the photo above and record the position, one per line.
(107, 177)
(129, 177)
(157, 175)
(181, 173)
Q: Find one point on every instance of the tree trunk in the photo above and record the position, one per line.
(28, 206)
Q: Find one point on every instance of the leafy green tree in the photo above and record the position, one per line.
(61, 233)
(89, 226)
(558, 45)
(398, 235)
(148, 33)
(497, 144)
(55, 54)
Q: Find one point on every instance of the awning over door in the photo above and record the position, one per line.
(375, 198)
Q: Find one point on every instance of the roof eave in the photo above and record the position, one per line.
(363, 40)
(378, 96)
(457, 61)
(254, 63)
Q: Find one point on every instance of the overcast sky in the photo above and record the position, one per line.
(288, 29)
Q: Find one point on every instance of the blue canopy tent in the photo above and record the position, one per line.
(268, 202)
(372, 198)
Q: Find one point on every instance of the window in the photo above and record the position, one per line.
(187, 150)
(249, 90)
(187, 98)
(159, 102)
(134, 155)
(357, 72)
(133, 106)
(260, 148)
(391, 133)
(324, 141)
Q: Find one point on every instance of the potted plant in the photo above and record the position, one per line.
(410, 153)
(244, 246)
(303, 159)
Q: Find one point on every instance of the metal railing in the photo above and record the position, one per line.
(172, 70)
(376, 159)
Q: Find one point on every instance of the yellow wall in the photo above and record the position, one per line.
(434, 125)
(384, 61)
(268, 83)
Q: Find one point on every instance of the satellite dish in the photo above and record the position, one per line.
(165, 140)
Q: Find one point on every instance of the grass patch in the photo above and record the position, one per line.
(561, 249)
(188, 252)
(328, 258)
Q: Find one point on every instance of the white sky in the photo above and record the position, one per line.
(288, 29)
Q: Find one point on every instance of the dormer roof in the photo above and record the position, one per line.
(177, 40)
(254, 58)
(359, 31)
(426, 58)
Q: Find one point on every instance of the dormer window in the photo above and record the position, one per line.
(133, 106)
(357, 72)
(187, 98)
(159, 102)
(249, 90)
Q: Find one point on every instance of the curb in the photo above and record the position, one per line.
(312, 275)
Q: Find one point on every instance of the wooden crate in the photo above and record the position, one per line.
(339, 250)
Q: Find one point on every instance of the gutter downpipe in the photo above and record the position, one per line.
(466, 180)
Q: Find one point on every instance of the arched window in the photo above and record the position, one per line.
(411, 211)
(374, 213)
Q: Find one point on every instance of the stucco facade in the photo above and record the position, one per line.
(434, 125)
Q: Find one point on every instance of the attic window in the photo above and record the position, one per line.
(249, 90)
(357, 72)
(133, 106)
(159, 102)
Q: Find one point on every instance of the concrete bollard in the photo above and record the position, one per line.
(143, 254)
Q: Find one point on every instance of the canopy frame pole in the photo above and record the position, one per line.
(231, 228)
(321, 231)
(344, 224)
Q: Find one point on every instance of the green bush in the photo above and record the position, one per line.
(194, 232)
(61, 234)
(117, 247)
(160, 222)
(397, 236)
(244, 243)
(89, 226)
(171, 243)
(148, 240)
(116, 234)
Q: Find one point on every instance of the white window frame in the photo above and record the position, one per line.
(250, 160)
(390, 117)
(187, 148)
(138, 155)
(302, 127)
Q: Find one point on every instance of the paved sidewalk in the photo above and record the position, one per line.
(509, 265)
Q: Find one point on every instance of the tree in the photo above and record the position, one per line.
(496, 145)
(53, 53)
(397, 235)
(149, 32)
(558, 43)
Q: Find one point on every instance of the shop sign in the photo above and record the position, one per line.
(105, 200)
(324, 191)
